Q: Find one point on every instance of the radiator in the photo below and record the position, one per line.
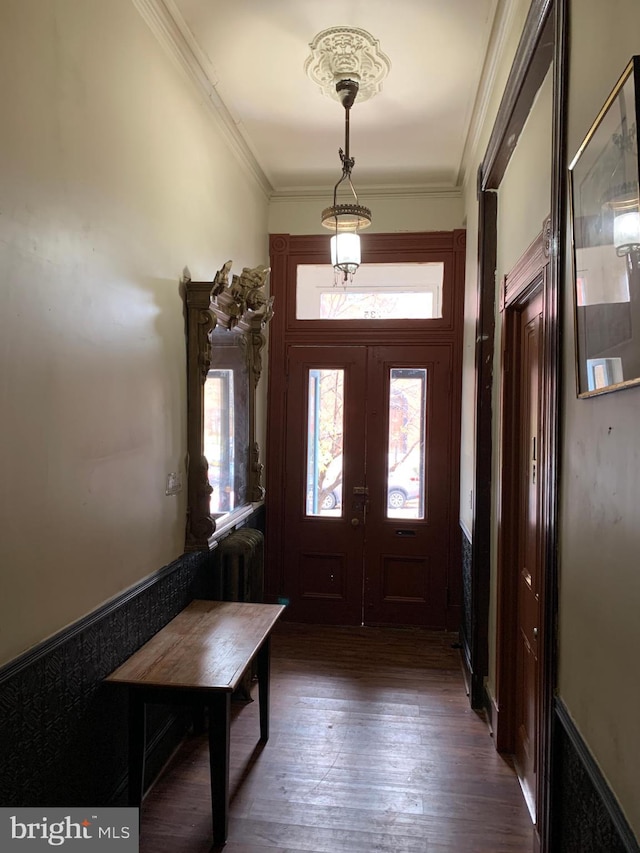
(239, 566)
(239, 576)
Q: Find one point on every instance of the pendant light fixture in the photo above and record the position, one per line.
(346, 62)
(348, 219)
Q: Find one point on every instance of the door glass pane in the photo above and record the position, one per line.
(378, 292)
(406, 448)
(325, 425)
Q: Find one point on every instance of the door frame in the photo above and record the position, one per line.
(527, 279)
(286, 252)
(543, 41)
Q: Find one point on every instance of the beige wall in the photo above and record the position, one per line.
(524, 197)
(114, 179)
(600, 483)
(428, 211)
(524, 201)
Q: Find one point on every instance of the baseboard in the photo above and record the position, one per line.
(491, 710)
(465, 616)
(465, 660)
(585, 815)
(454, 617)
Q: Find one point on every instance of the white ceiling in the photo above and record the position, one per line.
(412, 134)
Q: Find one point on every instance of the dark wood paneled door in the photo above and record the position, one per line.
(367, 484)
(529, 548)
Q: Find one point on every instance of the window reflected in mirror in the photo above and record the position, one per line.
(226, 422)
(225, 323)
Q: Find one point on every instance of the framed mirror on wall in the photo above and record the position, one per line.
(226, 319)
(605, 210)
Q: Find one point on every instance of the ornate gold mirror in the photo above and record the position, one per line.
(225, 324)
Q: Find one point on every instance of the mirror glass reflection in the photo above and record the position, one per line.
(226, 422)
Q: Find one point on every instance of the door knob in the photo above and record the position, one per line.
(355, 522)
(535, 633)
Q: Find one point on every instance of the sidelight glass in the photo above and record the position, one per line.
(325, 428)
(406, 442)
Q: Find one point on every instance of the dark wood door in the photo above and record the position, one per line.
(367, 484)
(406, 549)
(324, 541)
(529, 544)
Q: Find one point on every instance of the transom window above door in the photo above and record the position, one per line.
(399, 291)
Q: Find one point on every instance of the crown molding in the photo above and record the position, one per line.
(500, 32)
(295, 194)
(169, 27)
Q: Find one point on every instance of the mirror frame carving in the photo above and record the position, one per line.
(242, 307)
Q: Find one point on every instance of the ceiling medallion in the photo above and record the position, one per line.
(347, 53)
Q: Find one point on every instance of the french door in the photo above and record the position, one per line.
(367, 483)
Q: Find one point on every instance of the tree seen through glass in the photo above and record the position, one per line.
(405, 447)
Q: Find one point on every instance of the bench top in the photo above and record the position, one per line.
(207, 646)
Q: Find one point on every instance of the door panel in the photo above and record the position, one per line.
(323, 549)
(529, 538)
(406, 550)
(367, 484)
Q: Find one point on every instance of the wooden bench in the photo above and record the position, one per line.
(199, 659)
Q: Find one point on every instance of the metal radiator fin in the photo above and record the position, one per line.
(239, 576)
(239, 566)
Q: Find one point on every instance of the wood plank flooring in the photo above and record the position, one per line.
(373, 747)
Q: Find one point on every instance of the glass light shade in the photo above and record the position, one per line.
(345, 252)
(626, 231)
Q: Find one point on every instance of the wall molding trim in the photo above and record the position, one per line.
(169, 27)
(530, 65)
(465, 530)
(64, 730)
(604, 793)
(466, 621)
(502, 29)
(402, 192)
(520, 282)
(63, 737)
(50, 644)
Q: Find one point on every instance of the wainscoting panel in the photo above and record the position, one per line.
(586, 817)
(63, 738)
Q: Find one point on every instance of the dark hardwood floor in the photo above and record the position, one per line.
(373, 747)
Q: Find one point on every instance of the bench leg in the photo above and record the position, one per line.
(264, 666)
(197, 719)
(137, 737)
(219, 736)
